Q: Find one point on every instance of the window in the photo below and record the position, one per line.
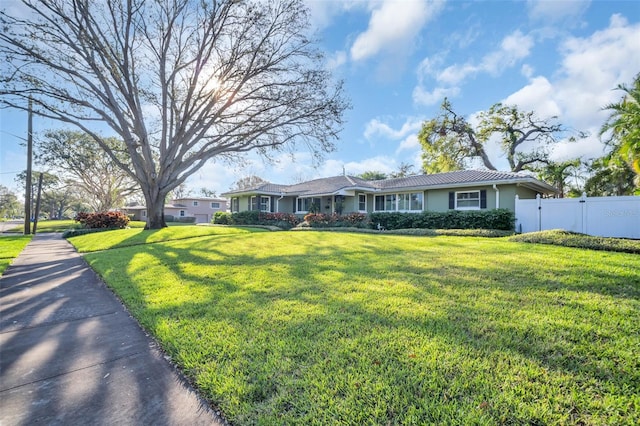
(181, 213)
(144, 213)
(469, 200)
(404, 201)
(390, 202)
(303, 205)
(235, 204)
(195, 204)
(264, 203)
(362, 202)
(399, 202)
(215, 205)
(417, 201)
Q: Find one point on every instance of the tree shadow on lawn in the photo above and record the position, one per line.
(329, 311)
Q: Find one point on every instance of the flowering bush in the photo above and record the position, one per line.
(116, 220)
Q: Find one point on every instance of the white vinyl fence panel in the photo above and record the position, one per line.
(601, 216)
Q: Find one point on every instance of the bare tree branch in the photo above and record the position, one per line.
(179, 81)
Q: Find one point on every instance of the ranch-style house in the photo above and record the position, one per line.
(460, 190)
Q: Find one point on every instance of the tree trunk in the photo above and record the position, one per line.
(155, 210)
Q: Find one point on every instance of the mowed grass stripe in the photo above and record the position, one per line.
(338, 328)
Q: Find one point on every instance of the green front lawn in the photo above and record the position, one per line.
(10, 248)
(340, 328)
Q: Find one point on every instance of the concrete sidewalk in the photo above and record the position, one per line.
(70, 354)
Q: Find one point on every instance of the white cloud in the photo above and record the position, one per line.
(454, 74)
(549, 10)
(421, 96)
(538, 95)
(376, 127)
(513, 48)
(527, 70)
(336, 60)
(323, 12)
(591, 67)
(392, 26)
(379, 163)
(409, 143)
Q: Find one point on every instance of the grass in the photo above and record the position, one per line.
(564, 238)
(138, 236)
(63, 225)
(10, 248)
(339, 328)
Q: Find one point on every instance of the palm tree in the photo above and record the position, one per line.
(557, 174)
(622, 128)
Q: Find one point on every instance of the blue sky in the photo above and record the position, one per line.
(400, 58)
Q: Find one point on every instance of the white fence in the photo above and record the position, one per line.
(601, 216)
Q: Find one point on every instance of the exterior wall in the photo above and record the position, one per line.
(286, 205)
(203, 211)
(438, 199)
(434, 200)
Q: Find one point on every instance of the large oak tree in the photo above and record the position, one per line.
(449, 140)
(179, 81)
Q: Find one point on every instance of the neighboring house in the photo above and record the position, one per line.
(201, 209)
(461, 190)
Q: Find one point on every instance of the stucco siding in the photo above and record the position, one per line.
(437, 200)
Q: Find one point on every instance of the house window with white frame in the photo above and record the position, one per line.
(215, 205)
(404, 202)
(362, 202)
(303, 205)
(265, 204)
(144, 213)
(467, 200)
(182, 213)
(195, 204)
(235, 205)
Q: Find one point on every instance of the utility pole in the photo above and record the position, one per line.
(27, 191)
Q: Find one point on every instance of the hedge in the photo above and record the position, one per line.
(351, 220)
(254, 217)
(501, 219)
(560, 237)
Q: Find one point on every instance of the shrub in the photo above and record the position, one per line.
(501, 219)
(169, 218)
(322, 220)
(254, 217)
(188, 219)
(103, 220)
(222, 218)
(249, 217)
(564, 238)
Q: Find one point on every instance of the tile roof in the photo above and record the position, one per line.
(334, 184)
(450, 178)
(328, 185)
